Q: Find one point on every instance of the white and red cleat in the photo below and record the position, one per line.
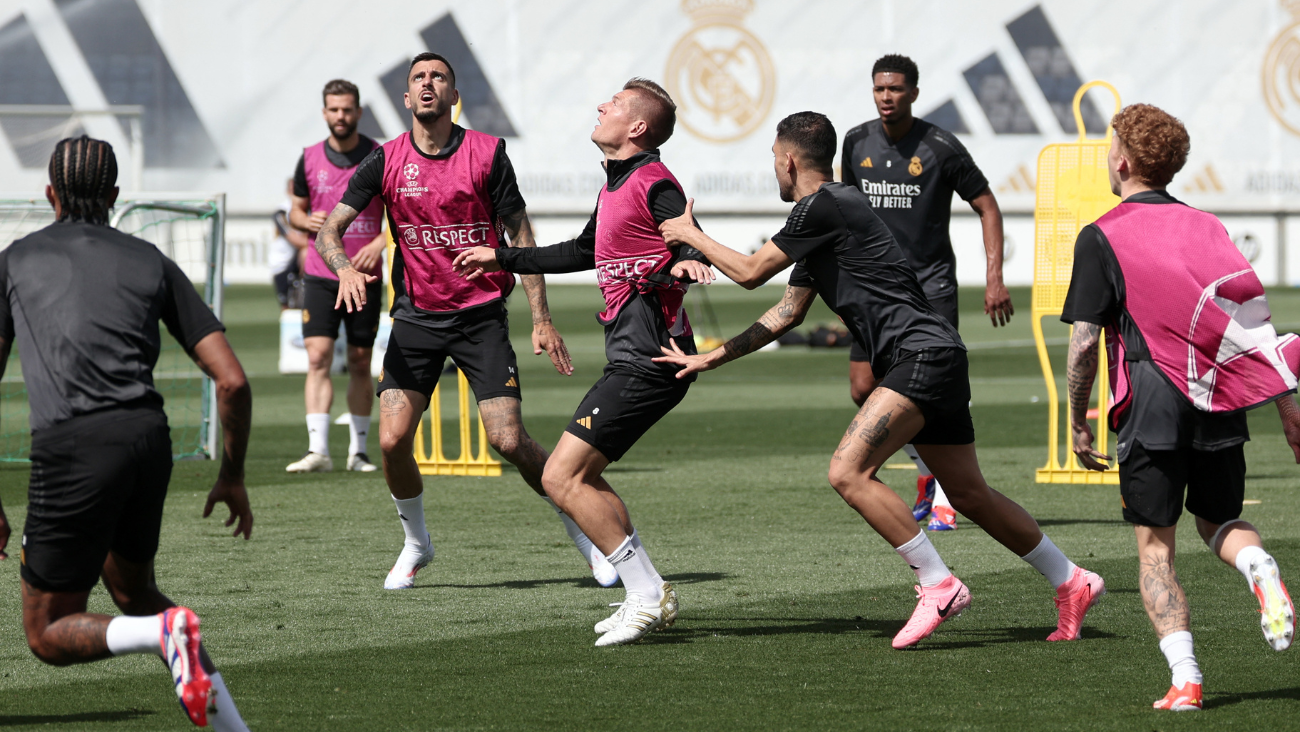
(944, 601)
(1185, 699)
(1073, 599)
(180, 646)
(1276, 613)
(411, 560)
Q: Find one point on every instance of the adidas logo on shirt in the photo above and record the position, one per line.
(512, 382)
(585, 422)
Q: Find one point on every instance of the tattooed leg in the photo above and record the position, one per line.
(1162, 595)
(505, 430)
(59, 630)
(885, 423)
(399, 415)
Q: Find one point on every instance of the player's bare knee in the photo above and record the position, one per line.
(359, 362)
(320, 360)
(844, 478)
(395, 444)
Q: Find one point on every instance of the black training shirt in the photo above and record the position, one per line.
(638, 330)
(909, 184)
(349, 159)
(1159, 416)
(847, 254)
(83, 302)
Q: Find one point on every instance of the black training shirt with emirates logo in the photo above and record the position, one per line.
(909, 185)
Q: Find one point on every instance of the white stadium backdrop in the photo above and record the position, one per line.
(232, 94)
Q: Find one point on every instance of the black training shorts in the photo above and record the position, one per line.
(320, 318)
(937, 380)
(946, 305)
(1151, 484)
(481, 348)
(98, 485)
(622, 407)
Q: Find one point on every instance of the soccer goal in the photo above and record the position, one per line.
(188, 228)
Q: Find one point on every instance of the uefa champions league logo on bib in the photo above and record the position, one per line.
(411, 171)
(322, 176)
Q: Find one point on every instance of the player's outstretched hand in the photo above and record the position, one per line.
(691, 364)
(232, 493)
(997, 304)
(4, 534)
(1083, 449)
(473, 262)
(1286, 407)
(699, 272)
(352, 289)
(679, 230)
(547, 338)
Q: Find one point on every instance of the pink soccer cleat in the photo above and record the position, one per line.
(180, 647)
(939, 603)
(1184, 699)
(1073, 599)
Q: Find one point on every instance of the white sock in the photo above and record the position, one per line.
(1050, 562)
(580, 540)
(645, 558)
(318, 434)
(411, 512)
(1244, 559)
(924, 559)
(1177, 648)
(637, 574)
(920, 464)
(358, 431)
(134, 634)
(226, 718)
(940, 498)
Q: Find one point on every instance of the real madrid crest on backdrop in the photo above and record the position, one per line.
(1282, 72)
(719, 73)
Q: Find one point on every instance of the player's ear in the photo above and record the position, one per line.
(112, 196)
(406, 99)
(54, 200)
(912, 95)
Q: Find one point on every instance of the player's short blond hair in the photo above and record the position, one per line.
(1154, 140)
(656, 107)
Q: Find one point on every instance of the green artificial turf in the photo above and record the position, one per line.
(788, 599)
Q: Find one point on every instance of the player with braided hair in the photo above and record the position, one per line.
(101, 446)
(82, 173)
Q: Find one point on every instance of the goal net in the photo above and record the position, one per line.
(191, 231)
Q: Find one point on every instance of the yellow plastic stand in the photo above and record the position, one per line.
(1073, 191)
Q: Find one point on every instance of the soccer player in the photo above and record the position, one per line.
(845, 254)
(446, 189)
(101, 447)
(639, 278)
(319, 182)
(1190, 349)
(909, 169)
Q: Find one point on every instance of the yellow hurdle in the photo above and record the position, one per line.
(431, 459)
(1073, 191)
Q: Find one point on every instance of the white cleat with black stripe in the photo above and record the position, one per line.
(633, 622)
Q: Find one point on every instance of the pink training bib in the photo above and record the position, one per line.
(327, 183)
(629, 248)
(440, 206)
(1199, 306)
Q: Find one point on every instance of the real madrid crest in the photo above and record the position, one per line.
(719, 73)
(915, 167)
(1282, 72)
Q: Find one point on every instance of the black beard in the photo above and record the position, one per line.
(351, 130)
(430, 115)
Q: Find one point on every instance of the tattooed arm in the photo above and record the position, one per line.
(329, 245)
(1081, 371)
(782, 317)
(545, 336)
(1290, 414)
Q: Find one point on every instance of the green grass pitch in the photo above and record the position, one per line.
(788, 599)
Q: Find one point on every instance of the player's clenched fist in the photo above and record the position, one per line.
(473, 262)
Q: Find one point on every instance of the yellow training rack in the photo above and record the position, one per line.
(1073, 190)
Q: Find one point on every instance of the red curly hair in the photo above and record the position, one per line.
(1155, 142)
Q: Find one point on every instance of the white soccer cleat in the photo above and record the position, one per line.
(667, 605)
(360, 463)
(411, 560)
(1276, 613)
(632, 624)
(604, 573)
(312, 462)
